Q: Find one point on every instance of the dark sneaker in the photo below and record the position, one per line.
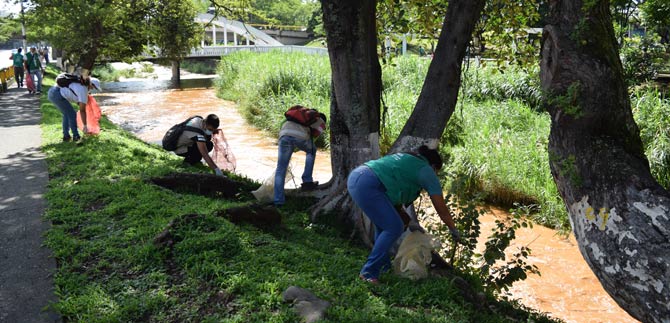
(309, 186)
(67, 138)
(76, 138)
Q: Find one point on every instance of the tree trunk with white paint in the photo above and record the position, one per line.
(618, 212)
(354, 112)
(439, 94)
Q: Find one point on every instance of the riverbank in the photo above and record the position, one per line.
(567, 287)
(106, 215)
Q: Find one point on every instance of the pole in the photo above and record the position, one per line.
(23, 28)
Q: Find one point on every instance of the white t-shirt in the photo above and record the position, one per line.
(75, 92)
(189, 138)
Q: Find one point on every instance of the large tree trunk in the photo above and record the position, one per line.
(618, 212)
(437, 100)
(176, 75)
(88, 57)
(356, 89)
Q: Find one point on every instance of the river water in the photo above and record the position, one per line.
(567, 289)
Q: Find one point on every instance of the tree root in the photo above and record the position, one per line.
(202, 184)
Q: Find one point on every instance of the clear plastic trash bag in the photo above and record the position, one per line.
(414, 254)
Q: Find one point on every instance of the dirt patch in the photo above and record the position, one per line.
(261, 216)
(201, 184)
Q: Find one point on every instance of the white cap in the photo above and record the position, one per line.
(95, 82)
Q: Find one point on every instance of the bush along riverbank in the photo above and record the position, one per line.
(496, 140)
(131, 251)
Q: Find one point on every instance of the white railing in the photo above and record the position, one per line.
(218, 51)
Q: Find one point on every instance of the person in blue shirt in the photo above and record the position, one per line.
(378, 186)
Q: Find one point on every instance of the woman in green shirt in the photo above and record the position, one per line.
(379, 185)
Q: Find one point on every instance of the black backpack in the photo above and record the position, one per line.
(172, 136)
(65, 79)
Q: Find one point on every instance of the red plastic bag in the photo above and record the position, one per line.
(222, 154)
(93, 114)
(30, 84)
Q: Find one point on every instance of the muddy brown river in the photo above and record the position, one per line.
(567, 288)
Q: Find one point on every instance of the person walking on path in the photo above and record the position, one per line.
(26, 285)
(45, 54)
(34, 68)
(380, 185)
(17, 61)
(75, 92)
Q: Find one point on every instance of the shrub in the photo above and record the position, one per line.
(642, 58)
(651, 110)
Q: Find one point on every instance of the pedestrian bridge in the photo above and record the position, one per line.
(224, 36)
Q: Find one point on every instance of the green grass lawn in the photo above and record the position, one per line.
(105, 215)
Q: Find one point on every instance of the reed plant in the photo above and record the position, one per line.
(651, 109)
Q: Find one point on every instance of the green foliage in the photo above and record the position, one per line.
(89, 29)
(504, 32)
(200, 67)
(499, 277)
(117, 30)
(106, 73)
(568, 101)
(9, 27)
(280, 14)
(172, 30)
(651, 110)
(494, 268)
(415, 17)
(512, 83)
(642, 57)
(656, 16)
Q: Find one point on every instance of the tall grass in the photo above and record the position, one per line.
(496, 139)
(266, 85)
(651, 109)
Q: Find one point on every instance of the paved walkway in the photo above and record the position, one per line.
(26, 268)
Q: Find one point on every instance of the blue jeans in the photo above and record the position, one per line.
(37, 73)
(69, 114)
(286, 146)
(369, 194)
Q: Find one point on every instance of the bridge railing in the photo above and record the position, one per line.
(217, 51)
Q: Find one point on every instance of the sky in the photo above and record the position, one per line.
(8, 7)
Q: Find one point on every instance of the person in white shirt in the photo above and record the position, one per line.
(195, 142)
(295, 136)
(75, 92)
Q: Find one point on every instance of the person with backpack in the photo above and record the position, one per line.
(192, 139)
(301, 127)
(34, 68)
(72, 88)
(17, 61)
(379, 186)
